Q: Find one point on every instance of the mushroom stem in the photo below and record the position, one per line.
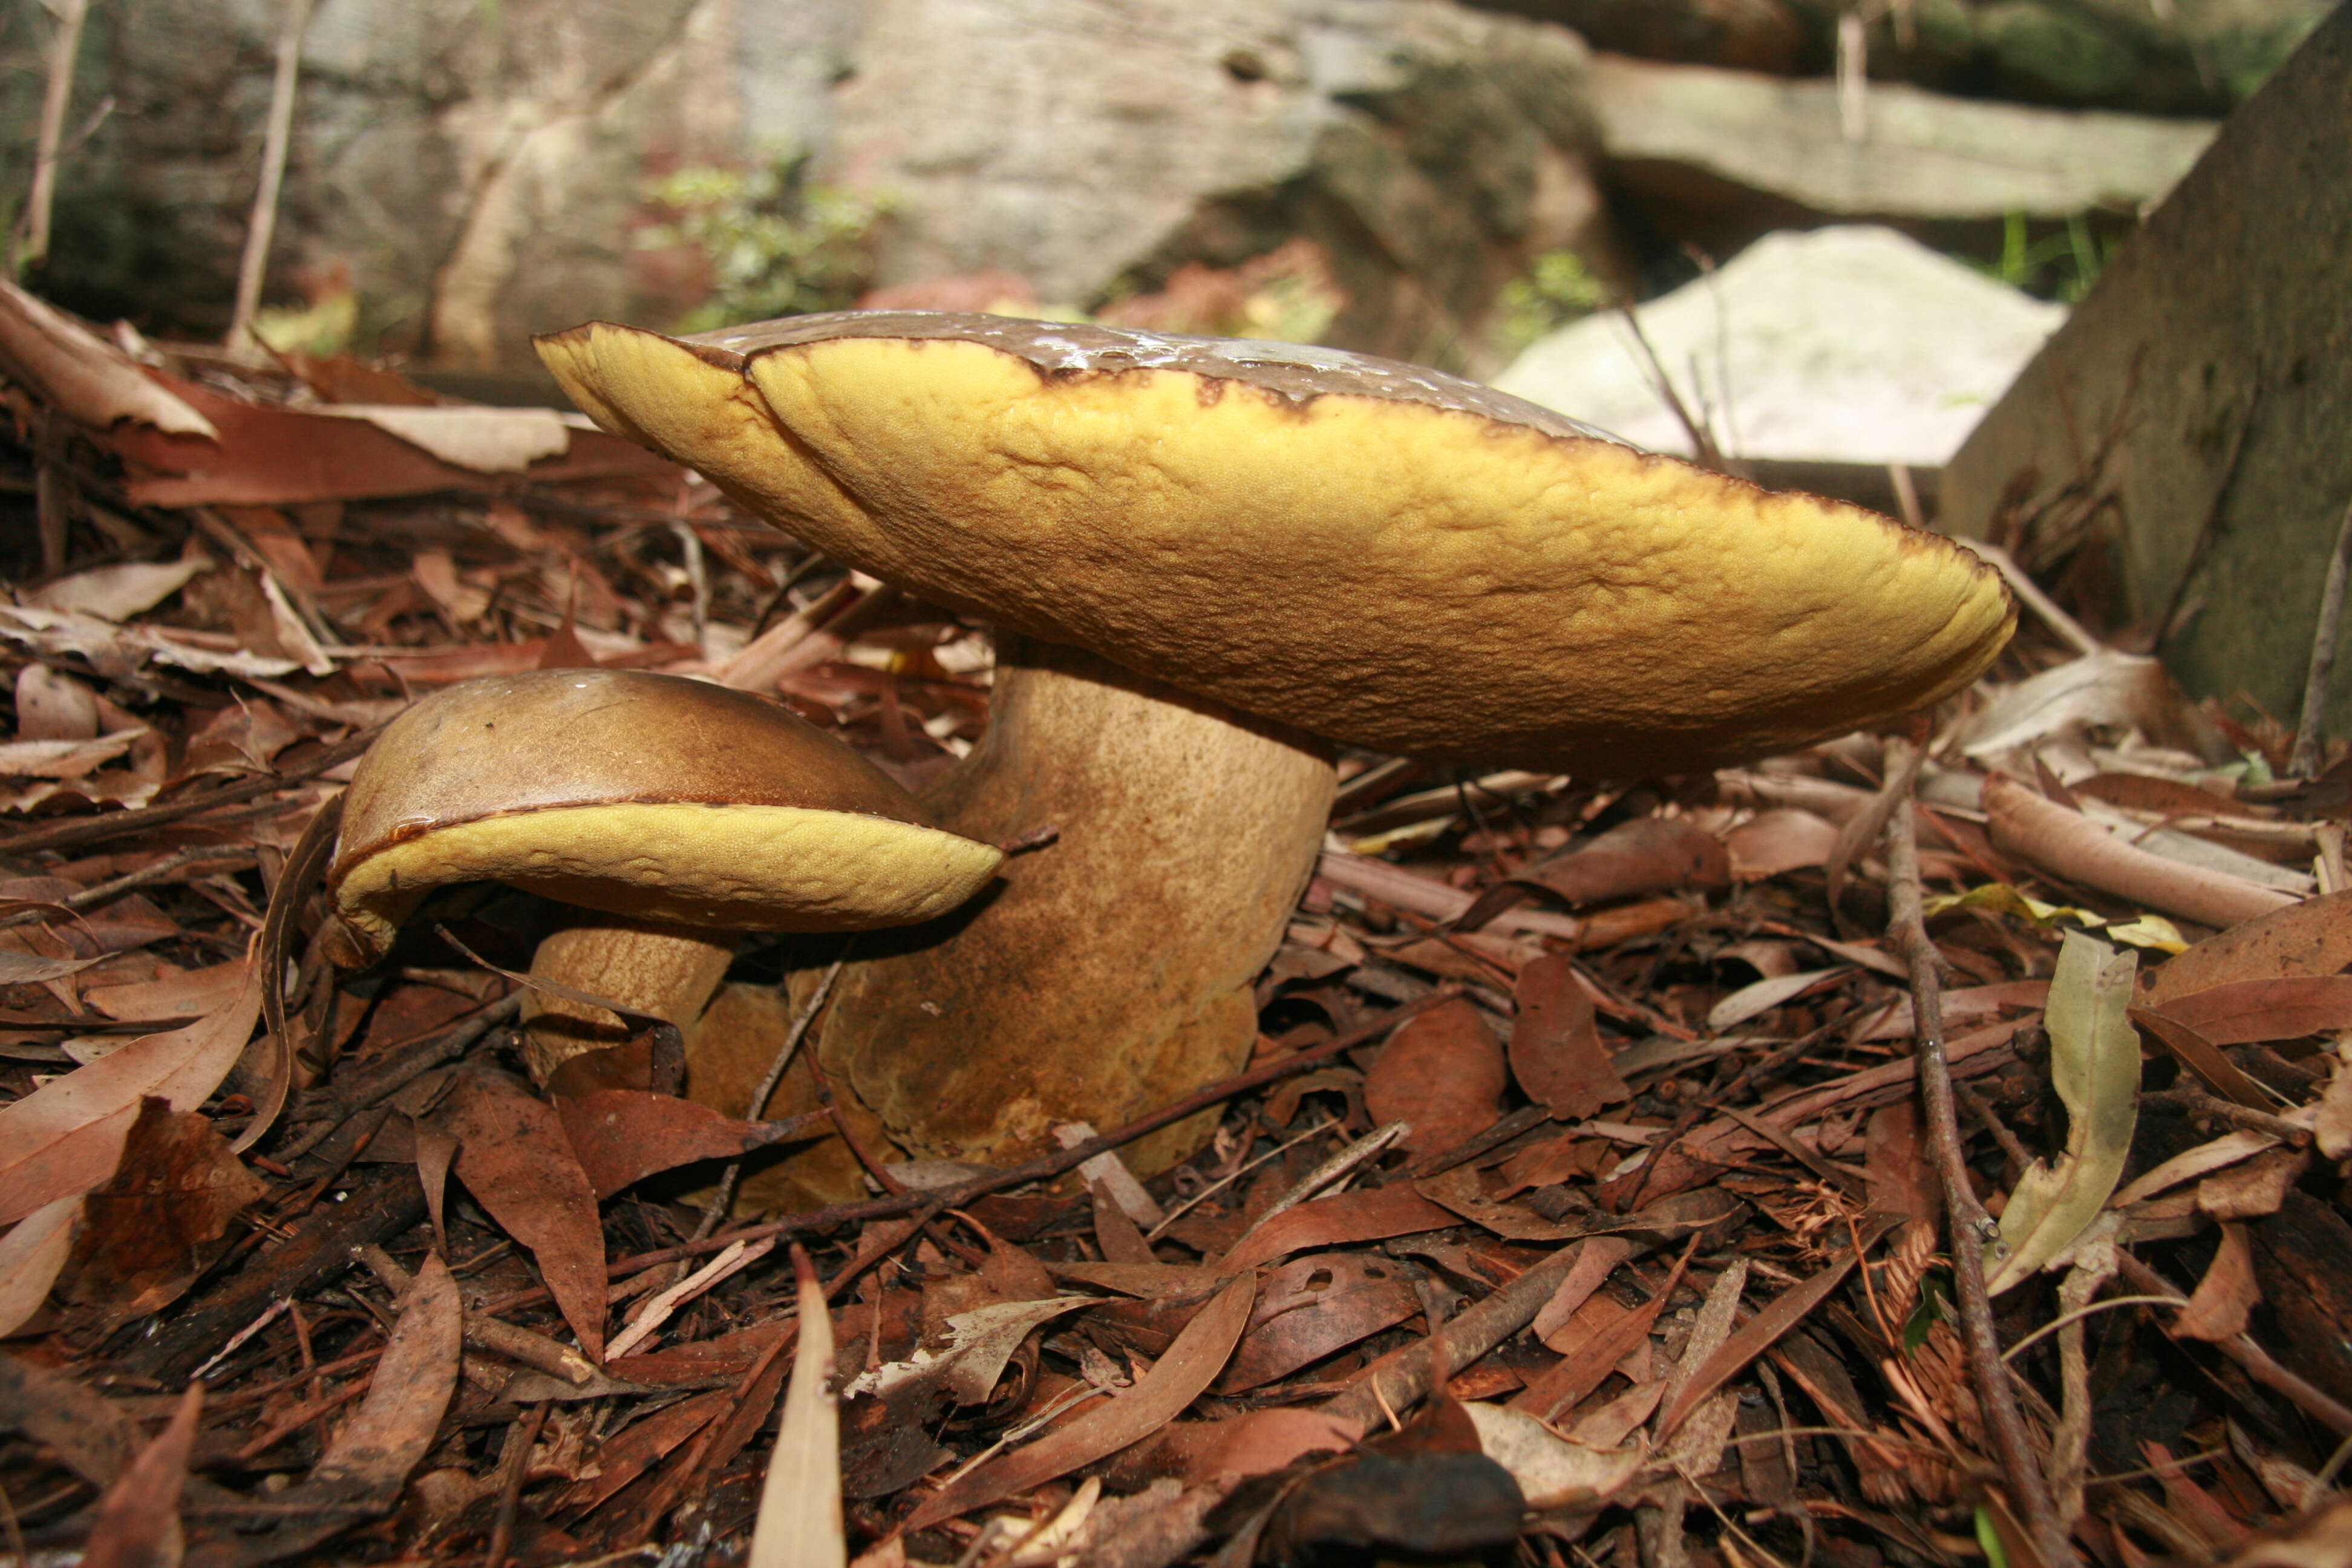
(648, 967)
(1111, 970)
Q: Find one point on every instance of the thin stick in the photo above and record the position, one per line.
(253, 264)
(1969, 1225)
(65, 46)
(732, 1177)
(2311, 732)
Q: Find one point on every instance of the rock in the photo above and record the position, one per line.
(479, 173)
(1850, 345)
(2181, 56)
(1429, 149)
(2190, 416)
(1676, 128)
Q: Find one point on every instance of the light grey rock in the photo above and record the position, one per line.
(1850, 345)
(1922, 155)
(479, 171)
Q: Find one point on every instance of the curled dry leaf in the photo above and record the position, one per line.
(1552, 1470)
(1556, 1051)
(514, 1158)
(978, 1344)
(2095, 1067)
(1191, 1363)
(2227, 1295)
(80, 374)
(2069, 845)
(1443, 1074)
(67, 1136)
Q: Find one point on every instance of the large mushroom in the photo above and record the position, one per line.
(683, 812)
(1207, 559)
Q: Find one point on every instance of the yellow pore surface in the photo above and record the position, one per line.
(735, 868)
(1385, 573)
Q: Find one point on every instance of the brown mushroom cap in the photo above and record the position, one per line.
(644, 795)
(1377, 553)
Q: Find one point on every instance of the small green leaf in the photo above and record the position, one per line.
(2095, 1067)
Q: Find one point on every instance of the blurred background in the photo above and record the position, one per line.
(1438, 180)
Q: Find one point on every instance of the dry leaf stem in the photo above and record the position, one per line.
(1969, 1225)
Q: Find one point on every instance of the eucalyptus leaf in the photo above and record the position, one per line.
(2095, 1067)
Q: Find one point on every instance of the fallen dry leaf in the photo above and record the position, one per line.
(1646, 855)
(1556, 1051)
(2311, 938)
(976, 1346)
(1552, 1470)
(2095, 1067)
(1191, 1363)
(137, 1522)
(1366, 1214)
(800, 1523)
(2252, 1188)
(1774, 842)
(514, 1158)
(2227, 1295)
(161, 1219)
(31, 1255)
(80, 374)
(624, 1135)
(391, 1432)
(1441, 1074)
(1313, 1307)
(2245, 1010)
(67, 1136)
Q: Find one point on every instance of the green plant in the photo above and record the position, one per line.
(2061, 265)
(776, 244)
(1557, 288)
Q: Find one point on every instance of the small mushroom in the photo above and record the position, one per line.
(680, 810)
(1213, 558)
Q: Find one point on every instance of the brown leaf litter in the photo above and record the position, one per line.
(1577, 1202)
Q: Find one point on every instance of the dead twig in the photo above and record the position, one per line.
(32, 240)
(253, 264)
(1970, 1226)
